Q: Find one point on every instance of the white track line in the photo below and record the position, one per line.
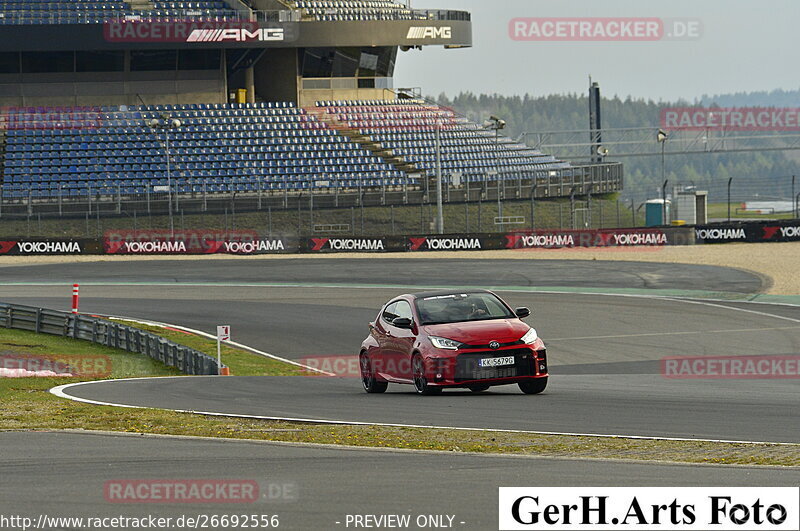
(211, 336)
(60, 392)
(660, 334)
(717, 305)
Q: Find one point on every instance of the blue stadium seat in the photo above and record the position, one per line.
(273, 145)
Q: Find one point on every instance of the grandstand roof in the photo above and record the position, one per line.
(26, 26)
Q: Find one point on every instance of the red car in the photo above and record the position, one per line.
(442, 339)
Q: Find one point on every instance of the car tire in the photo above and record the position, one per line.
(371, 384)
(478, 388)
(420, 382)
(533, 387)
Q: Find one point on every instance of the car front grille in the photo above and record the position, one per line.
(468, 368)
(485, 347)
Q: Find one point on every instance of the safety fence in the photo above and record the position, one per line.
(107, 333)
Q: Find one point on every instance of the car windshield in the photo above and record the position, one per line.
(461, 307)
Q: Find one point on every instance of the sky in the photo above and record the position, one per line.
(745, 45)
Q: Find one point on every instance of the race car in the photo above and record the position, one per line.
(435, 340)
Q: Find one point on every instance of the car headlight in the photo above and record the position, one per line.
(530, 337)
(443, 342)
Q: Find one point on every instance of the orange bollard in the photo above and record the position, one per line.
(75, 297)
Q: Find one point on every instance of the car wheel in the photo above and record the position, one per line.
(478, 388)
(420, 382)
(533, 387)
(371, 384)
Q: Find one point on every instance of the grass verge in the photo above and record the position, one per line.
(28, 405)
(720, 211)
(240, 362)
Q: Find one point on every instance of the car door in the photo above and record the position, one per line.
(399, 344)
(383, 336)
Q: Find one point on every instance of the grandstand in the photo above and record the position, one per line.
(16, 12)
(408, 129)
(244, 147)
(265, 96)
(219, 148)
(330, 10)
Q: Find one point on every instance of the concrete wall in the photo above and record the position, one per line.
(113, 88)
(308, 98)
(275, 76)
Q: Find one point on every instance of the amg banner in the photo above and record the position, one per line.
(48, 247)
(194, 242)
(195, 31)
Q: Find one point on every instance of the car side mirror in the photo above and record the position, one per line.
(522, 312)
(403, 322)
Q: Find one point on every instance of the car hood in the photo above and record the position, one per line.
(480, 332)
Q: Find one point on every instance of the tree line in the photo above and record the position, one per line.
(754, 171)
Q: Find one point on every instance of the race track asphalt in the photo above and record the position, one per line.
(403, 271)
(605, 351)
(309, 488)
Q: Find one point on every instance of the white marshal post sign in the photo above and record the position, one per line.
(223, 334)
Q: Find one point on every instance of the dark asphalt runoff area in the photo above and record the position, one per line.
(309, 488)
(605, 351)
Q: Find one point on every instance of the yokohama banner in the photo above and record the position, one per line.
(725, 233)
(788, 232)
(774, 231)
(200, 242)
(543, 239)
(454, 242)
(194, 242)
(48, 247)
(352, 245)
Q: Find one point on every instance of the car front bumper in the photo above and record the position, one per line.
(469, 368)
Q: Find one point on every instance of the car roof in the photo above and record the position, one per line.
(444, 293)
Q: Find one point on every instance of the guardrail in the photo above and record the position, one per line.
(102, 332)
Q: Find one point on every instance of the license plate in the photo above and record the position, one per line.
(496, 362)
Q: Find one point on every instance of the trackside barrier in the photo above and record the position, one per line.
(204, 242)
(761, 232)
(102, 332)
(557, 239)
